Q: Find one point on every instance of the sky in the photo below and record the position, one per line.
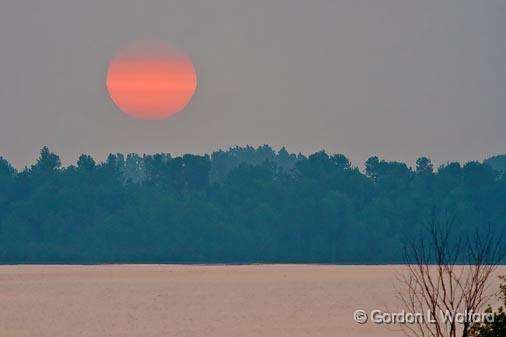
(394, 78)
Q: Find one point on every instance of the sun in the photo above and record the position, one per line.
(151, 80)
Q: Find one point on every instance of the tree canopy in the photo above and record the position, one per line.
(242, 205)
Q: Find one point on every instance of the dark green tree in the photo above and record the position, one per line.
(497, 328)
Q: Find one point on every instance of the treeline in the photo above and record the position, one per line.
(243, 205)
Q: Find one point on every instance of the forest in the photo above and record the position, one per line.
(243, 205)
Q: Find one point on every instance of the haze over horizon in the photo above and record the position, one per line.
(396, 79)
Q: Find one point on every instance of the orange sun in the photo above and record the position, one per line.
(151, 81)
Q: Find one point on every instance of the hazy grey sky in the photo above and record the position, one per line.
(394, 78)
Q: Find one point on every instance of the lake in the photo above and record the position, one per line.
(195, 300)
